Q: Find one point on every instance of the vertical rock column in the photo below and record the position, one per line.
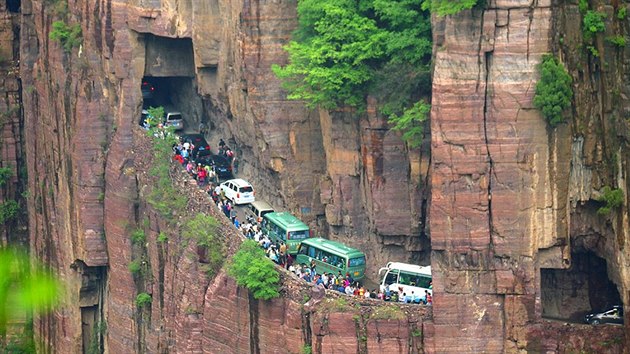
(490, 196)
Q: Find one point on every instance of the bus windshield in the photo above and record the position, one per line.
(298, 235)
(356, 262)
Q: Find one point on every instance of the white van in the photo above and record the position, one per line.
(405, 278)
(174, 119)
(239, 191)
(260, 208)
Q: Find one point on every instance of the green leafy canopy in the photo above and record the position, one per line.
(345, 50)
(553, 90)
(253, 270)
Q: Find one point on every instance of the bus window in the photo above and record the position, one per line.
(405, 278)
(392, 277)
(356, 262)
(424, 282)
(303, 249)
(311, 252)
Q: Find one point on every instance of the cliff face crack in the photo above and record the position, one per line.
(488, 66)
(253, 324)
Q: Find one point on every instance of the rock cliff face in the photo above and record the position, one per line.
(514, 227)
(513, 211)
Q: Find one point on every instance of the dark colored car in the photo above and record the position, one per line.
(221, 166)
(147, 89)
(201, 146)
(614, 315)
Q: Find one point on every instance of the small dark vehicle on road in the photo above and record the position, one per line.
(614, 315)
(221, 166)
(201, 146)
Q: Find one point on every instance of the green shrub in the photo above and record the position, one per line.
(411, 123)
(135, 267)
(163, 196)
(252, 269)
(618, 40)
(613, 199)
(155, 116)
(307, 349)
(68, 36)
(583, 5)
(5, 175)
(162, 238)
(138, 237)
(143, 299)
(594, 52)
(416, 333)
(553, 90)
(622, 13)
(593, 23)
(203, 229)
(448, 7)
(9, 210)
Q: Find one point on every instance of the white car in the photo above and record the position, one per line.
(239, 191)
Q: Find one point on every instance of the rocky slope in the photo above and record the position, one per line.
(512, 202)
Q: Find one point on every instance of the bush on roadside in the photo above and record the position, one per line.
(252, 269)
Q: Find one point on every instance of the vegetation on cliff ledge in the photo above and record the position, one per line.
(251, 268)
(344, 50)
(553, 90)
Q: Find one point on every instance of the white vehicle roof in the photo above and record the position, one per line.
(412, 268)
(239, 182)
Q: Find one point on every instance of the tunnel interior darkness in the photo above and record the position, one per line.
(569, 294)
(14, 5)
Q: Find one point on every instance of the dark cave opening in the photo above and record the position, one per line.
(585, 287)
(169, 79)
(14, 5)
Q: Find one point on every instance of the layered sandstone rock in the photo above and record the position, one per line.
(500, 179)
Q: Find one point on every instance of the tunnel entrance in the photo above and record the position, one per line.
(169, 79)
(569, 294)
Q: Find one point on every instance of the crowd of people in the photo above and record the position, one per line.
(205, 175)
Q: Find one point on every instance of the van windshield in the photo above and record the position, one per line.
(175, 117)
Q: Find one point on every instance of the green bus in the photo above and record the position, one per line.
(332, 257)
(287, 228)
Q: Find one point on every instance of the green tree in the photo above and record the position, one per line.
(143, 300)
(252, 269)
(344, 50)
(203, 229)
(411, 123)
(5, 175)
(553, 90)
(613, 199)
(9, 210)
(68, 36)
(448, 7)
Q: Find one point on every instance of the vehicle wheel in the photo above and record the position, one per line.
(595, 322)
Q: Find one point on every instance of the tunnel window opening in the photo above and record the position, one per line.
(583, 288)
(14, 5)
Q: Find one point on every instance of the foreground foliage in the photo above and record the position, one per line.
(553, 90)
(24, 287)
(252, 269)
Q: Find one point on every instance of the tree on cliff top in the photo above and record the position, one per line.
(345, 50)
(251, 268)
